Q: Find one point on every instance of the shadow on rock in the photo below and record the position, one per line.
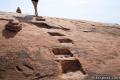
(24, 18)
(8, 34)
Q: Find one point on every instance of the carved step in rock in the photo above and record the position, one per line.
(55, 34)
(62, 51)
(63, 57)
(43, 24)
(14, 26)
(71, 66)
(65, 40)
(40, 18)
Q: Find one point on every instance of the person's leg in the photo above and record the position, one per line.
(35, 7)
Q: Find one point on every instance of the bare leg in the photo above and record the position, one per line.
(35, 7)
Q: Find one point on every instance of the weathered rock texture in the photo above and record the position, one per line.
(58, 49)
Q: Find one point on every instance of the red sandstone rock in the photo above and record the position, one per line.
(87, 49)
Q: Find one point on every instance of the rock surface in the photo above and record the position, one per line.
(58, 49)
